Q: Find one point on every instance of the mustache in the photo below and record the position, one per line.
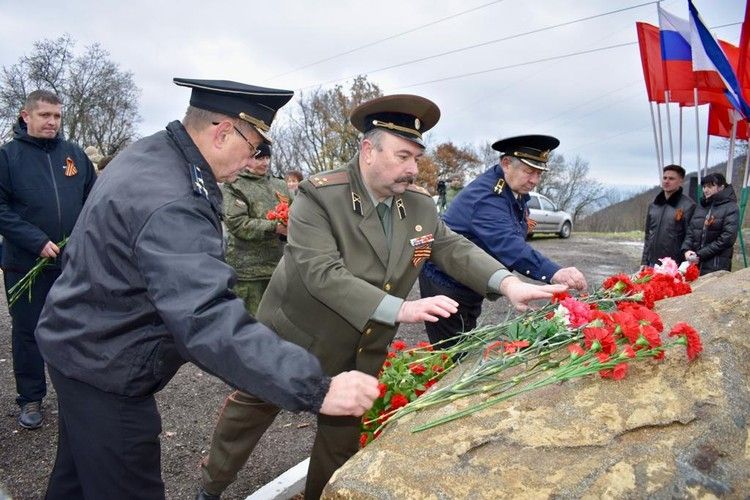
(406, 178)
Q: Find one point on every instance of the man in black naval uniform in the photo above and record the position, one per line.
(145, 288)
(492, 213)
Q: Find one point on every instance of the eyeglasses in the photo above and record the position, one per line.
(253, 147)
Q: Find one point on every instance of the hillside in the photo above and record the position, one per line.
(630, 214)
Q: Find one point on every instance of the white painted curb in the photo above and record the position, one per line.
(285, 486)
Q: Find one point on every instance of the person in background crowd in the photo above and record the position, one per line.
(44, 182)
(104, 162)
(145, 288)
(358, 238)
(713, 228)
(254, 245)
(667, 219)
(454, 187)
(94, 155)
(293, 178)
(492, 213)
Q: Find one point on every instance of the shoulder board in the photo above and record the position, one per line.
(417, 189)
(331, 178)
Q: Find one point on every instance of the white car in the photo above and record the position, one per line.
(548, 218)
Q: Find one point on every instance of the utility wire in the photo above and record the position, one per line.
(546, 59)
(483, 44)
(376, 42)
(518, 65)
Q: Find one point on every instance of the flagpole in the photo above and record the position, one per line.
(697, 137)
(656, 139)
(705, 164)
(669, 126)
(679, 150)
(730, 160)
(661, 141)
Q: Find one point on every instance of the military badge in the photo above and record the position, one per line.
(709, 221)
(531, 224)
(498, 189)
(70, 167)
(422, 248)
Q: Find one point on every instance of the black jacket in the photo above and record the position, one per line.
(713, 231)
(38, 202)
(666, 227)
(145, 288)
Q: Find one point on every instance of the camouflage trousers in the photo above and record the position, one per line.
(251, 291)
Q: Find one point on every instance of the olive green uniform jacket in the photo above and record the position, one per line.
(253, 247)
(338, 267)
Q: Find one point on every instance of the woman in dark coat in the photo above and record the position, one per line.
(713, 229)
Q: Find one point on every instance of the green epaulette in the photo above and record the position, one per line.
(331, 178)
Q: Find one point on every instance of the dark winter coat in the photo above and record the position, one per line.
(666, 227)
(145, 288)
(38, 201)
(713, 231)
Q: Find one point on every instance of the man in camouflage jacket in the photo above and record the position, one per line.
(254, 246)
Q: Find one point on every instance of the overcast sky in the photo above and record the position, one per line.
(595, 102)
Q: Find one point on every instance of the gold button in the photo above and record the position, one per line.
(368, 331)
(360, 349)
(387, 287)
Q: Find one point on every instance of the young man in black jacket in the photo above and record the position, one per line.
(44, 181)
(668, 218)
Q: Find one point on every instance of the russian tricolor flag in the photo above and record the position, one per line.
(711, 64)
(675, 51)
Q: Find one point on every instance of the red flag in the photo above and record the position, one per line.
(720, 123)
(648, 42)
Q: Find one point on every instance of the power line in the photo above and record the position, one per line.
(518, 65)
(546, 59)
(432, 23)
(484, 44)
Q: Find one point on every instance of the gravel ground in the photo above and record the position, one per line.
(190, 403)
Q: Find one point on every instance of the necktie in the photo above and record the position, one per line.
(382, 209)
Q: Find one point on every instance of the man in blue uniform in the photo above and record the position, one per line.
(492, 213)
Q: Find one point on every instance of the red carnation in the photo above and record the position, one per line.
(417, 368)
(363, 438)
(398, 345)
(575, 350)
(601, 335)
(398, 400)
(383, 388)
(691, 336)
(692, 273)
(425, 345)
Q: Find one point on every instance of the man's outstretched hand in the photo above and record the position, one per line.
(350, 394)
(427, 309)
(520, 293)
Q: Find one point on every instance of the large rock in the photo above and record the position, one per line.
(670, 429)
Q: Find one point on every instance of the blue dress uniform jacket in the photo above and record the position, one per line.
(338, 267)
(145, 288)
(488, 213)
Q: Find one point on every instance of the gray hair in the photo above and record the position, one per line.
(375, 136)
(199, 118)
(514, 162)
(37, 96)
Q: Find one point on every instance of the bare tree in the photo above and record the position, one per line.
(315, 135)
(100, 101)
(569, 185)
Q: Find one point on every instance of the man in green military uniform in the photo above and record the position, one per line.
(254, 247)
(358, 238)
